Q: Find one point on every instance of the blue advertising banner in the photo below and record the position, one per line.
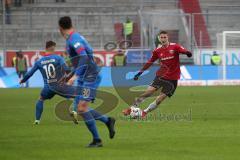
(232, 56)
(1, 59)
(123, 76)
(138, 56)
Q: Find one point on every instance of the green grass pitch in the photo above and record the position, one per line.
(210, 132)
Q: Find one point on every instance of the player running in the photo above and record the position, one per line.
(86, 72)
(52, 68)
(166, 77)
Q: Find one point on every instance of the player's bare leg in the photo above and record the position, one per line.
(162, 96)
(150, 90)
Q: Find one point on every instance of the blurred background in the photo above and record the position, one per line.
(124, 32)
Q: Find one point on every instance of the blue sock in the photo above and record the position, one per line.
(91, 124)
(98, 116)
(39, 109)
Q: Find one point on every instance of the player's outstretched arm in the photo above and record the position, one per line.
(29, 73)
(182, 50)
(189, 54)
(137, 75)
(146, 65)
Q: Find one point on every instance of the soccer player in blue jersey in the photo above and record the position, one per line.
(52, 68)
(86, 72)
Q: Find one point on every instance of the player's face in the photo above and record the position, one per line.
(163, 39)
(53, 48)
(61, 31)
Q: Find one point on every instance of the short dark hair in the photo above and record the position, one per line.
(163, 32)
(65, 22)
(19, 52)
(50, 44)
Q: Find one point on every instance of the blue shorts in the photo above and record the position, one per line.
(48, 92)
(83, 91)
(88, 90)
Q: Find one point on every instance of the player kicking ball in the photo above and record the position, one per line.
(166, 76)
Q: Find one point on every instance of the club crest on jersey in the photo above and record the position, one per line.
(171, 51)
(86, 92)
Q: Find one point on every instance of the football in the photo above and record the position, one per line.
(135, 112)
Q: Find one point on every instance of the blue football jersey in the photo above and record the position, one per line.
(52, 68)
(81, 54)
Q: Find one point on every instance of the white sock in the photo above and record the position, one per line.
(151, 107)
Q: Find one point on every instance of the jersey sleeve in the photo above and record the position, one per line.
(78, 47)
(30, 73)
(82, 66)
(181, 50)
(150, 61)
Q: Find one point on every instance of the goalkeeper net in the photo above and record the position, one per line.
(228, 43)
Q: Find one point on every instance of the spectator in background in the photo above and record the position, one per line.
(14, 59)
(18, 3)
(128, 29)
(119, 59)
(215, 59)
(21, 66)
(8, 11)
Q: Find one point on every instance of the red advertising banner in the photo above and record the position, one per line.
(102, 57)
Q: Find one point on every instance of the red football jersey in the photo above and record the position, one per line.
(169, 61)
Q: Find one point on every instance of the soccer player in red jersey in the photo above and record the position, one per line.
(167, 75)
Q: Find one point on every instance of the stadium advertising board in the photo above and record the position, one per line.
(138, 56)
(123, 76)
(232, 56)
(1, 59)
(104, 56)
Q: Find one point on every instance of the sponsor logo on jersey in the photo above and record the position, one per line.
(171, 51)
(167, 58)
(76, 45)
